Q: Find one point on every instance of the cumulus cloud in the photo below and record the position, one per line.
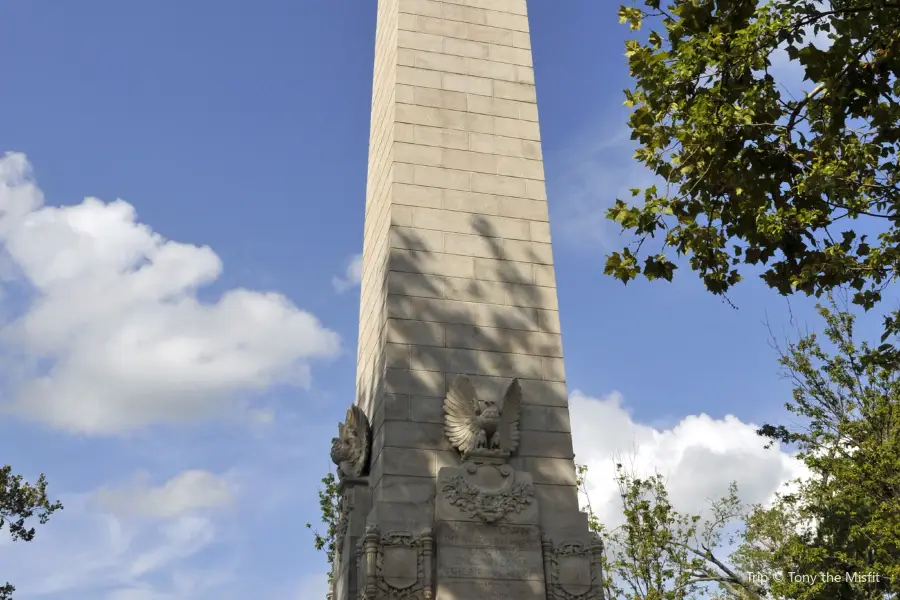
(351, 277)
(187, 492)
(700, 456)
(114, 333)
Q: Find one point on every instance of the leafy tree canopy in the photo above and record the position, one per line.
(19, 503)
(804, 188)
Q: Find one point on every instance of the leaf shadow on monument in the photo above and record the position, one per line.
(490, 323)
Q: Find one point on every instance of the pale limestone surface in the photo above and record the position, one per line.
(458, 274)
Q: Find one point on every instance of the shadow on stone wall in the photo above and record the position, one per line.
(491, 329)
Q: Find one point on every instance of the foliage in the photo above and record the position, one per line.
(849, 439)
(330, 506)
(807, 188)
(19, 503)
(661, 554)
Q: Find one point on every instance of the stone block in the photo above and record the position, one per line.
(522, 251)
(521, 208)
(467, 84)
(465, 48)
(422, 78)
(443, 138)
(536, 190)
(504, 270)
(545, 393)
(442, 27)
(548, 320)
(547, 444)
(497, 184)
(528, 111)
(414, 435)
(409, 238)
(466, 14)
(396, 356)
(415, 154)
(442, 178)
(521, 40)
(418, 333)
(401, 488)
(504, 364)
(506, 317)
(429, 8)
(441, 310)
(472, 245)
(419, 41)
(415, 284)
(492, 106)
(533, 296)
(503, 340)
(514, 166)
(447, 63)
(517, 128)
(489, 35)
(474, 290)
(427, 409)
(464, 160)
(413, 383)
(483, 204)
(539, 231)
(490, 69)
(511, 55)
(535, 416)
(406, 461)
(553, 369)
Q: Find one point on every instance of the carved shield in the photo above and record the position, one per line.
(574, 573)
(400, 566)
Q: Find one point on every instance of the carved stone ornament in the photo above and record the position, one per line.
(350, 450)
(573, 570)
(481, 498)
(343, 521)
(479, 428)
(396, 565)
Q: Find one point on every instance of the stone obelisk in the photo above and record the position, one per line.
(456, 462)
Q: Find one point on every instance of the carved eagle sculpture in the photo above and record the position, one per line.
(350, 450)
(480, 426)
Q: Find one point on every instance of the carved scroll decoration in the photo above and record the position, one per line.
(573, 570)
(479, 427)
(397, 565)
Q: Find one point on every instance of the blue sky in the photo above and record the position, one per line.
(242, 127)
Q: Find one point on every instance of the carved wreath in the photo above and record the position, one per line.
(489, 507)
(480, 426)
(350, 450)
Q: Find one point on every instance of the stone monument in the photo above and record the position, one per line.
(456, 469)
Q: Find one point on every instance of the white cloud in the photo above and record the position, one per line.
(116, 324)
(87, 551)
(700, 456)
(187, 492)
(351, 277)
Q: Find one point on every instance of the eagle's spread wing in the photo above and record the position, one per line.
(459, 414)
(508, 428)
(357, 425)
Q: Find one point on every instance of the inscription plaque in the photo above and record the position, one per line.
(477, 561)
